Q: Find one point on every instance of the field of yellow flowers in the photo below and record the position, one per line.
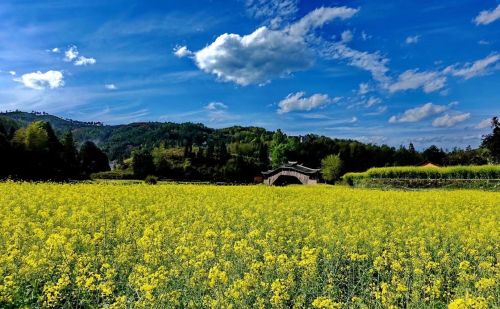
(164, 246)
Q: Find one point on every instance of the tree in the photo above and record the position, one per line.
(143, 164)
(331, 168)
(280, 147)
(69, 155)
(36, 137)
(92, 158)
(434, 155)
(492, 141)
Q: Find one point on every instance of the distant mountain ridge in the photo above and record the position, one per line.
(118, 140)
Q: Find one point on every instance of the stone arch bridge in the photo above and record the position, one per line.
(291, 173)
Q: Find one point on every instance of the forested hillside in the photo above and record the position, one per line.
(192, 151)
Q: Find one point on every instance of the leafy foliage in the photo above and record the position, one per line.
(331, 168)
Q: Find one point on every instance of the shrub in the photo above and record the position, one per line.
(151, 180)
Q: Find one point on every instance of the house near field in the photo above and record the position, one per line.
(291, 173)
(428, 164)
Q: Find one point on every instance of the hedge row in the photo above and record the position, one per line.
(114, 174)
(413, 172)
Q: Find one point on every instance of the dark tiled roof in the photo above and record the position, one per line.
(293, 166)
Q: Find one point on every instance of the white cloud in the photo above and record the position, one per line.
(182, 51)
(264, 54)
(478, 68)
(354, 119)
(374, 63)
(346, 36)
(365, 36)
(449, 121)
(320, 17)
(38, 80)
(217, 112)
(213, 106)
(71, 53)
(363, 88)
(412, 79)
(110, 86)
(419, 113)
(274, 12)
(486, 17)
(379, 111)
(55, 50)
(485, 123)
(255, 58)
(373, 101)
(13, 73)
(483, 42)
(84, 61)
(297, 102)
(412, 39)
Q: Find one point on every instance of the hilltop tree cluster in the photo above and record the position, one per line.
(36, 153)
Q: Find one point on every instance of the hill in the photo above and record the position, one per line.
(118, 140)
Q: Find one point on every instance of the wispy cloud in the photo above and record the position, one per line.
(84, 61)
(487, 17)
(274, 12)
(413, 79)
(298, 102)
(412, 39)
(483, 124)
(448, 120)
(419, 113)
(477, 68)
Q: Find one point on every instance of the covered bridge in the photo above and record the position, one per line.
(291, 173)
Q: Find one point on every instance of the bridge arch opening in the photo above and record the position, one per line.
(285, 180)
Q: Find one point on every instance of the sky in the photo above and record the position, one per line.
(382, 72)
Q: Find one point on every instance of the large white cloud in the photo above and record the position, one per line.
(477, 68)
(487, 17)
(264, 54)
(298, 102)
(254, 58)
(419, 113)
(39, 81)
(412, 79)
(449, 121)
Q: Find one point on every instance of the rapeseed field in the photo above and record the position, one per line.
(192, 246)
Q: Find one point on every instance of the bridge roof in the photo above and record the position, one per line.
(292, 166)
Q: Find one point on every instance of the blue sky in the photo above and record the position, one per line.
(393, 72)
